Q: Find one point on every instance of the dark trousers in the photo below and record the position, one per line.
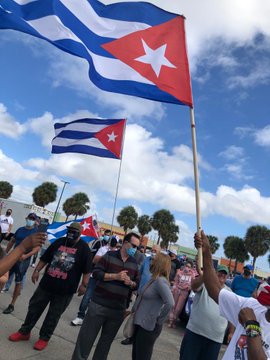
(86, 297)
(97, 318)
(37, 304)
(143, 342)
(197, 347)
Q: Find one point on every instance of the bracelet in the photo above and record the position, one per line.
(251, 322)
(253, 333)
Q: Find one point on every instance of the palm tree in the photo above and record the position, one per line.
(169, 234)
(68, 207)
(257, 241)
(45, 194)
(228, 249)
(5, 189)
(160, 220)
(213, 243)
(235, 249)
(80, 204)
(76, 205)
(144, 225)
(127, 218)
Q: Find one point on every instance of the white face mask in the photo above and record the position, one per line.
(30, 223)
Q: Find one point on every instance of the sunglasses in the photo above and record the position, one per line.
(134, 246)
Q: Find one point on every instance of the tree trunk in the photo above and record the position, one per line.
(253, 263)
(158, 240)
(235, 266)
(67, 218)
(230, 264)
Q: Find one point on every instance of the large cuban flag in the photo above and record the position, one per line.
(59, 229)
(132, 48)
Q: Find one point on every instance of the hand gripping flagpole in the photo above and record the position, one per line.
(119, 173)
(196, 180)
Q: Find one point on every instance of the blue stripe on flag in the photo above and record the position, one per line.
(83, 149)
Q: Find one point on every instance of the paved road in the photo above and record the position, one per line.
(62, 342)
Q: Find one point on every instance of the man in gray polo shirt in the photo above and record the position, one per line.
(206, 328)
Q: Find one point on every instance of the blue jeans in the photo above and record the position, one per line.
(198, 347)
(86, 298)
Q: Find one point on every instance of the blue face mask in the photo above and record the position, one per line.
(106, 238)
(30, 223)
(131, 251)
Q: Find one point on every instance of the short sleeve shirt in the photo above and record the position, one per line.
(5, 221)
(230, 305)
(244, 287)
(65, 266)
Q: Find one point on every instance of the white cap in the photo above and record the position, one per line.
(173, 252)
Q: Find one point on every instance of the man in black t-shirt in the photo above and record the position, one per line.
(66, 260)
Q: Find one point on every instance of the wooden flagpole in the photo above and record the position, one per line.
(196, 180)
(118, 178)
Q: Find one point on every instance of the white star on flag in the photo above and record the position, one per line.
(112, 137)
(85, 225)
(155, 58)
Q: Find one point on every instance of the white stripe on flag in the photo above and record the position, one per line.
(102, 26)
(52, 28)
(81, 126)
(69, 142)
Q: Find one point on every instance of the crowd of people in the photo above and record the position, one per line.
(118, 280)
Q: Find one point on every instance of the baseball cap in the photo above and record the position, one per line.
(32, 216)
(249, 267)
(76, 226)
(173, 252)
(223, 268)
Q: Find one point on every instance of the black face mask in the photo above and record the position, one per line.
(72, 236)
(247, 273)
(8, 213)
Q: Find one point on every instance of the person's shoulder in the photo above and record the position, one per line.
(162, 281)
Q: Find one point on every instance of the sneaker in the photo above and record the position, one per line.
(33, 265)
(17, 336)
(41, 344)
(9, 309)
(127, 341)
(76, 322)
(4, 291)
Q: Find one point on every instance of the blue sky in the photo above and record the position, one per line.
(228, 45)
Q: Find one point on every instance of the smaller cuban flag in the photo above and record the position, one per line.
(99, 137)
(59, 229)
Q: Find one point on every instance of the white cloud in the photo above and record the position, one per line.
(13, 172)
(8, 125)
(262, 136)
(232, 152)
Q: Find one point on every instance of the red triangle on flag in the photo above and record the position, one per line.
(112, 136)
(169, 70)
(88, 228)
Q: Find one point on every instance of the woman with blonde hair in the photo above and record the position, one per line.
(151, 308)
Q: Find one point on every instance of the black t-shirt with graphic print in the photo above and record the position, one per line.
(65, 266)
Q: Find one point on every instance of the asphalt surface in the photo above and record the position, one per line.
(63, 341)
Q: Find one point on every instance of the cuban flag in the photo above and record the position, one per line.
(97, 137)
(59, 229)
(132, 48)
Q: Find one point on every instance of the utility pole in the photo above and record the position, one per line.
(55, 213)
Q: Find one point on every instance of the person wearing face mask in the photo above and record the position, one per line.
(6, 223)
(144, 278)
(20, 268)
(180, 291)
(103, 241)
(245, 284)
(67, 260)
(116, 274)
(111, 246)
